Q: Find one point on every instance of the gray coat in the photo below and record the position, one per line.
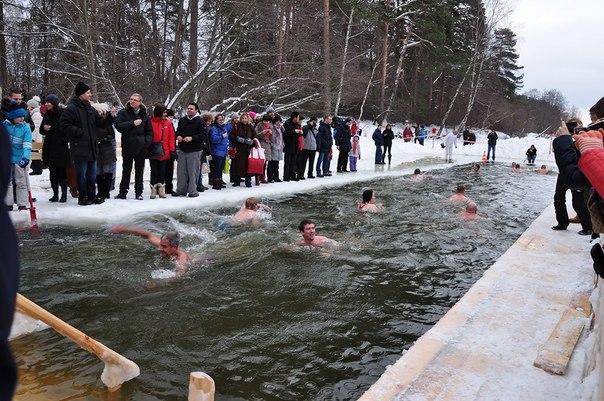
(277, 144)
(267, 146)
(310, 137)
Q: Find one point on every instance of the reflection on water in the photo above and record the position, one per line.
(264, 321)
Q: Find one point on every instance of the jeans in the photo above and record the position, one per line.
(489, 151)
(86, 172)
(139, 169)
(378, 154)
(353, 163)
(308, 155)
(323, 163)
(218, 166)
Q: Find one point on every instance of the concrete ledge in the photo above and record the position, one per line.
(485, 346)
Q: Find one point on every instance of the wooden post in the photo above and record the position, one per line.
(201, 387)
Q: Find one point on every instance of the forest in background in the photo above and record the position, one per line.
(444, 62)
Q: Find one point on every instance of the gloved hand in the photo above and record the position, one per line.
(249, 141)
(588, 141)
(23, 162)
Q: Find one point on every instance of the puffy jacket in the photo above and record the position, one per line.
(277, 143)
(567, 160)
(290, 136)
(135, 138)
(163, 131)
(55, 151)
(343, 138)
(20, 139)
(310, 137)
(492, 138)
(80, 121)
(591, 164)
(378, 137)
(105, 137)
(324, 138)
(423, 133)
(266, 141)
(219, 139)
(388, 136)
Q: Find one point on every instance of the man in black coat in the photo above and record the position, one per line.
(190, 136)
(9, 275)
(343, 144)
(134, 124)
(292, 130)
(79, 120)
(324, 144)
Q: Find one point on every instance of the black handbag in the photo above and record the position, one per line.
(156, 149)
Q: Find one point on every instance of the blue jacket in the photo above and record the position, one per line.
(219, 143)
(423, 133)
(378, 137)
(20, 138)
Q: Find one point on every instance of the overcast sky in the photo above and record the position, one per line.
(561, 46)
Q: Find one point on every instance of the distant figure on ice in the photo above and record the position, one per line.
(471, 212)
(543, 170)
(460, 195)
(355, 153)
(248, 214)
(168, 245)
(378, 140)
(476, 168)
(368, 204)
(419, 176)
(309, 237)
(531, 154)
(450, 140)
(492, 142)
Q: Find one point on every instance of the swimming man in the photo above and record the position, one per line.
(309, 237)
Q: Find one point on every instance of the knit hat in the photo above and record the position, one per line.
(252, 114)
(33, 103)
(233, 116)
(80, 89)
(53, 99)
(269, 110)
(16, 113)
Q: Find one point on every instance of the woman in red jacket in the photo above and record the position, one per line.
(163, 132)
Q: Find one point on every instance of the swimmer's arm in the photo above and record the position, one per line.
(264, 207)
(139, 232)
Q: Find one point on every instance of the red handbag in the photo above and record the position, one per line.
(232, 152)
(255, 164)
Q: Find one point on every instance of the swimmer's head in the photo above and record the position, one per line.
(476, 167)
(251, 203)
(169, 243)
(543, 167)
(367, 195)
(304, 223)
(460, 189)
(471, 207)
(513, 164)
(417, 171)
(308, 229)
(517, 166)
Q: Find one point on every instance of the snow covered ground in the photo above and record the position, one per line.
(113, 210)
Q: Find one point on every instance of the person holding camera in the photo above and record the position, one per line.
(106, 157)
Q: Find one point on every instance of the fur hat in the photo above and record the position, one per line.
(33, 103)
(52, 99)
(80, 89)
(16, 112)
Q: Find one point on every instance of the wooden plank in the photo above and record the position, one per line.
(581, 303)
(555, 354)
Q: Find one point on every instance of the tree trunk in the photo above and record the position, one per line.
(344, 57)
(367, 89)
(193, 32)
(384, 66)
(457, 92)
(3, 69)
(177, 50)
(398, 76)
(280, 41)
(326, 59)
(89, 44)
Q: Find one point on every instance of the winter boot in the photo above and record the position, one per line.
(153, 191)
(161, 190)
(216, 184)
(389, 159)
(63, 185)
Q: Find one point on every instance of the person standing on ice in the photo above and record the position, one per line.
(20, 138)
(492, 142)
(378, 140)
(531, 154)
(388, 138)
(168, 245)
(450, 141)
(324, 145)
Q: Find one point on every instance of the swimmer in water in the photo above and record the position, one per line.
(471, 212)
(460, 195)
(309, 237)
(368, 204)
(543, 170)
(516, 168)
(168, 245)
(248, 214)
(476, 168)
(419, 176)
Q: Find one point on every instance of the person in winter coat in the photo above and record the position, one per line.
(55, 151)
(378, 140)
(324, 145)
(264, 134)
(105, 137)
(343, 144)
(33, 107)
(388, 138)
(423, 134)
(190, 136)
(163, 132)
(19, 134)
(243, 139)
(292, 132)
(491, 143)
(9, 273)
(80, 121)
(450, 140)
(355, 153)
(531, 154)
(206, 120)
(310, 149)
(407, 134)
(170, 163)
(272, 169)
(219, 140)
(135, 126)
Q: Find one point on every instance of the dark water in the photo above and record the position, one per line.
(266, 322)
